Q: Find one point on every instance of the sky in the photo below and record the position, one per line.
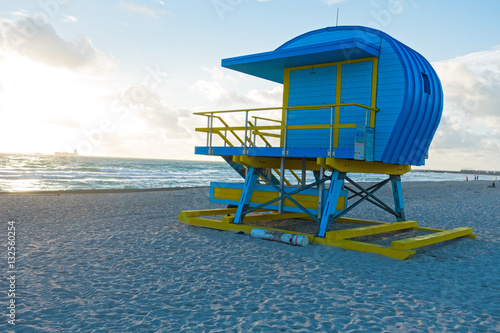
(123, 78)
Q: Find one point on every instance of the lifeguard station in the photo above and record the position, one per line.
(355, 100)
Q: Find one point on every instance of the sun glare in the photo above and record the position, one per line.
(41, 106)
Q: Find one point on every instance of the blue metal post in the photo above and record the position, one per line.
(250, 181)
(330, 204)
(397, 192)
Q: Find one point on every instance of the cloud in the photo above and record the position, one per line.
(271, 98)
(469, 129)
(40, 42)
(214, 89)
(139, 123)
(63, 121)
(68, 18)
(226, 98)
(136, 8)
(154, 114)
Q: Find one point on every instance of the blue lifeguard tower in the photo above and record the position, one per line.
(355, 100)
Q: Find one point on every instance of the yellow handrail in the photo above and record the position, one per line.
(268, 119)
(306, 107)
(282, 127)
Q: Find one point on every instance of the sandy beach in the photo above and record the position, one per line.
(118, 261)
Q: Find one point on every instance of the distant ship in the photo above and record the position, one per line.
(74, 153)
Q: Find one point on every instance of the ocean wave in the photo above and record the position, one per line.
(90, 170)
(41, 173)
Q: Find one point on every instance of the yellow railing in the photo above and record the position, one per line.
(251, 128)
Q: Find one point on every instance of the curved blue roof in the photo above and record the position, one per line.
(409, 93)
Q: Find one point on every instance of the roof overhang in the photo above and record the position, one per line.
(271, 65)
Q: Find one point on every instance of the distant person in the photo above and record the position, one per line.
(492, 185)
(466, 178)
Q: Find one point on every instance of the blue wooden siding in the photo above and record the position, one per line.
(356, 87)
(390, 96)
(410, 104)
(390, 82)
(419, 114)
(311, 86)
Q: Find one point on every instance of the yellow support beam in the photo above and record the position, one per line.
(309, 201)
(419, 241)
(320, 126)
(344, 165)
(374, 91)
(370, 230)
(236, 128)
(275, 163)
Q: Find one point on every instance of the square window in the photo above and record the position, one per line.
(427, 84)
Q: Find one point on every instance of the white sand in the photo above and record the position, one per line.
(121, 262)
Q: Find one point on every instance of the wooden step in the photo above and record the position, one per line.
(437, 237)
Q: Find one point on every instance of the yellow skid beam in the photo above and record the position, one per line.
(439, 230)
(222, 225)
(419, 241)
(366, 247)
(370, 230)
(401, 249)
(207, 212)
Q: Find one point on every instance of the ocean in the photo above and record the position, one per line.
(36, 172)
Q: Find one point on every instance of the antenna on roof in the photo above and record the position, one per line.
(337, 17)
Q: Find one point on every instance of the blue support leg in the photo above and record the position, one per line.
(397, 192)
(330, 204)
(250, 181)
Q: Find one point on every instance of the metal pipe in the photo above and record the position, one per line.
(282, 184)
(255, 134)
(330, 151)
(246, 130)
(304, 165)
(210, 150)
(321, 188)
(284, 153)
(208, 133)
